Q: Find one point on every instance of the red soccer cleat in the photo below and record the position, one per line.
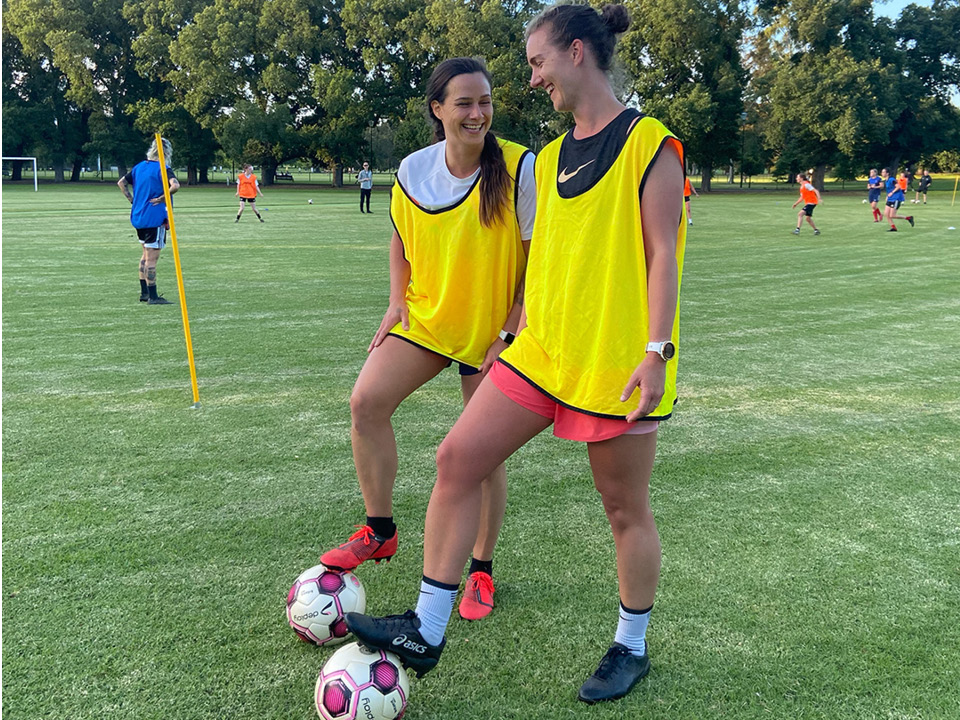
(363, 545)
(477, 600)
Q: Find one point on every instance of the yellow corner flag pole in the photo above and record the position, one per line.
(955, 181)
(176, 261)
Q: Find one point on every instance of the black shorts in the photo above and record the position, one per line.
(874, 196)
(895, 204)
(248, 200)
(154, 238)
(686, 198)
(808, 210)
(464, 369)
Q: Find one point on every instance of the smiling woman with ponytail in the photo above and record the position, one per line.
(462, 211)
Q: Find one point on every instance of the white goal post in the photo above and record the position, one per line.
(34, 167)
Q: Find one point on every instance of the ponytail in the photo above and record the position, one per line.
(494, 182)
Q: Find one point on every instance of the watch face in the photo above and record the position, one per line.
(669, 350)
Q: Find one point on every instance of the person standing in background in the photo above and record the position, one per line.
(148, 214)
(365, 178)
(247, 190)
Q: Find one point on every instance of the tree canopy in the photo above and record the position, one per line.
(777, 84)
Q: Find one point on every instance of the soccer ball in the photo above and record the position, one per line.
(360, 683)
(309, 202)
(318, 601)
(864, 202)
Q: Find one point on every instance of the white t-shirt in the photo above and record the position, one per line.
(426, 178)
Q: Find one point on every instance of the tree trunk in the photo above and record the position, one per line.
(730, 174)
(77, 169)
(204, 178)
(705, 177)
(337, 175)
(191, 174)
(16, 170)
(818, 172)
(58, 171)
(269, 173)
(121, 168)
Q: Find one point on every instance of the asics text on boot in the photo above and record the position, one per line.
(398, 634)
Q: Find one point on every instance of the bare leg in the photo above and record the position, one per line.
(150, 258)
(810, 220)
(493, 503)
(621, 473)
(491, 428)
(391, 373)
(242, 203)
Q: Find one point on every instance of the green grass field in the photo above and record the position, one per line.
(806, 491)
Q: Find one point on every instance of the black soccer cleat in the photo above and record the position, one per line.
(398, 634)
(616, 675)
(144, 297)
(910, 220)
(160, 300)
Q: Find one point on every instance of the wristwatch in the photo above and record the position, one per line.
(666, 349)
(507, 337)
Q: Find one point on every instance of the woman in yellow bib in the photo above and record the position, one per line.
(462, 211)
(596, 352)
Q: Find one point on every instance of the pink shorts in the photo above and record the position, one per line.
(567, 424)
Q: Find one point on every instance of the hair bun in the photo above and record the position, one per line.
(616, 18)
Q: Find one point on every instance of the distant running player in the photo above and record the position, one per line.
(874, 187)
(810, 197)
(687, 189)
(247, 190)
(148, 214)
(895, 199)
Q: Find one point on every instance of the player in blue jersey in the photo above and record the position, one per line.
(148, 214)
(895, 199)
(874, 187)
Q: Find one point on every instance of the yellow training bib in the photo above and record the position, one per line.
(586, 284)
(463, 276)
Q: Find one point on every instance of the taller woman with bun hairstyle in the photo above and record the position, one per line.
(462, 211)
(596, 354)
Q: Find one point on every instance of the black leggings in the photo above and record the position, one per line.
(364, 193)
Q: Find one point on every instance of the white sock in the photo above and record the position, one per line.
(632, 629)
(434, 607)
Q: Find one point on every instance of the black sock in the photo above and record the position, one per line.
(481, 566)
(152, 289)
(382, 526)
(143, 286)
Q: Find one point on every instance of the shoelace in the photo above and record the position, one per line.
(365, 532)
(483, 582)
(608, 664)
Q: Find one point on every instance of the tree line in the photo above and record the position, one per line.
(749, 86)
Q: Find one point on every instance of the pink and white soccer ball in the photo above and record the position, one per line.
(358, 683)
(318, 601)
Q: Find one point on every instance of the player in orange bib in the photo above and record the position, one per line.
(595, 355)
(247, 190)
(810, 197)
(687, 189)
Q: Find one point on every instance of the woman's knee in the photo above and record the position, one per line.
(367, 407)
(454, 463)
